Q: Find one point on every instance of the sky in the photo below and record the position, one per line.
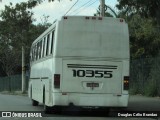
(57, 9)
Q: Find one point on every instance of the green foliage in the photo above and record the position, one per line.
(17, 30)
(145, 8)
(143, 18)
(16, 22)
(40, 1)
(152, 86)
(144, 37)
(153, 83)
(134, 90)
(151, 89)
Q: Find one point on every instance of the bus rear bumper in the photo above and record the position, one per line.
(90, 100)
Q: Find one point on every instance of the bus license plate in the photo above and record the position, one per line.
(92, 84)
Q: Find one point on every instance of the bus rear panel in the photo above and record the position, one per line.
(94, 54)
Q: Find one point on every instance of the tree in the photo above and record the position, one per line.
(144, 37)
(143, 20)
(9, 60)
(16, 30)
(15, 26)
(145, 8)
(40, 1)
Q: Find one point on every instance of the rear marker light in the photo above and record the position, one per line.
(121, 20)
(93, 18)
(100, 18)
(87, 18)
(65, 17)
(56, 80)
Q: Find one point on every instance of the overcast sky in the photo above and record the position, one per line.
(56, 9)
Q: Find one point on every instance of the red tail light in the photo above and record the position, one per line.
(126, 83)
(56, 80)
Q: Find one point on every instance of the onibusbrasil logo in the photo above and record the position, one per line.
(21, 114)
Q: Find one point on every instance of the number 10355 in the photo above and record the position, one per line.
(92, 73)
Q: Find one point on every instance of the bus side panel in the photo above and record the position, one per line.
(40, 82)
(47, 75)
(35, 85)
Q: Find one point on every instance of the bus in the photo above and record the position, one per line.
(81, 61)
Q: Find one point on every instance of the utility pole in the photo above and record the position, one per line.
(102, 8)
(23, 70)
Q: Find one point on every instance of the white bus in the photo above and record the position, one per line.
(81, 61)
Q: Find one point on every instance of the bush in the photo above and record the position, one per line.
(152, 87)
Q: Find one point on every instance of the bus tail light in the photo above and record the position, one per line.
(56, 80)
(126, 83)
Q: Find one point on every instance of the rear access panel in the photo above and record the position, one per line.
(92, 76)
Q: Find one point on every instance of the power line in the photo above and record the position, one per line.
(71, 7)
(81, 6)
(86, 7)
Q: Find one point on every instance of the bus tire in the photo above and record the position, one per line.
(57, 109)
(47, 109)
(104, 111)
(35, 103)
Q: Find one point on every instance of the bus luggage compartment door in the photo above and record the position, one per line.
(81, 76)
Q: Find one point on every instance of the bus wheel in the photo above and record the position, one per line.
(47, 109)
(57, 109)
(103, 111)
(35, 103)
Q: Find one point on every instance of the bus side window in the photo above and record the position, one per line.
(47, 44)
(37, 50)
(52, 39)
(32, 53)
(40, 49)
(44, 44)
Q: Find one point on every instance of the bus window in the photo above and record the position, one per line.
(37, 48)
(47, 44)
(44, 44)
(40, 49)
(32, 51)
(52, 39)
